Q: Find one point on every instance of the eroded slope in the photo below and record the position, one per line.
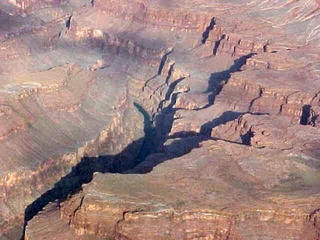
(81, 80)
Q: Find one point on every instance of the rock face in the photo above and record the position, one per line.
(213, 192)
(159, 119)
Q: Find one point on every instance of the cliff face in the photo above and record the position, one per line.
(213, 192)
(222, 90)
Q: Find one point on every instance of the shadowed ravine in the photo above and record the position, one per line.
(83, 172)
(159, 119)
(156, 133)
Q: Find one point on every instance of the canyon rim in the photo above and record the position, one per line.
(160, 119)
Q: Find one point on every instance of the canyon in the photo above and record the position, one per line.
(156, 119)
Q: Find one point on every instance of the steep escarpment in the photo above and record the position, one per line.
(47, 105)
(120, 206)
(44, 168)
(209, 123)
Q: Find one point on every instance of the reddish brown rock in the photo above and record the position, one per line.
(107, 85)
(216, 191)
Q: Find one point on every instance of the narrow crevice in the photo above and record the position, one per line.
(161, 126)
(149, 131)
(305, 116)
(164, 120)
(77, 209)
(255, 99)
(265, 48)
(168, 77)
(68, 22)
(280, 108)
(172, 86)
(146, 83)
(171, 69)
(169, 92)
(209, 28)
(217, 44)
(164, 60)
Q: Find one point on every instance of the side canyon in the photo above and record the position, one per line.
(159, 119)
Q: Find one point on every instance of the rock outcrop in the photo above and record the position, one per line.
(159, 119)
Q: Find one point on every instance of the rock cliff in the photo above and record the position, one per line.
(159, 119)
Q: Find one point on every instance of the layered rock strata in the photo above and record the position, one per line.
(213, 118)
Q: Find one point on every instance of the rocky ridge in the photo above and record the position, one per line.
(140, 83)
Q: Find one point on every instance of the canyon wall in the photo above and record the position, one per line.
(183, 120)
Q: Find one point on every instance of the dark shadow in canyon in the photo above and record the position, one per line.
(217, 44)
(246, 138)
(137, 153)
(155, 135)
(218, 79)
(122, 163)
(305, 116)
(125, 162)
(83, 172)
(150, 133)
(209, 28)
(223, 119)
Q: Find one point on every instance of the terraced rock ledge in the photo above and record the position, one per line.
(159, 119)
